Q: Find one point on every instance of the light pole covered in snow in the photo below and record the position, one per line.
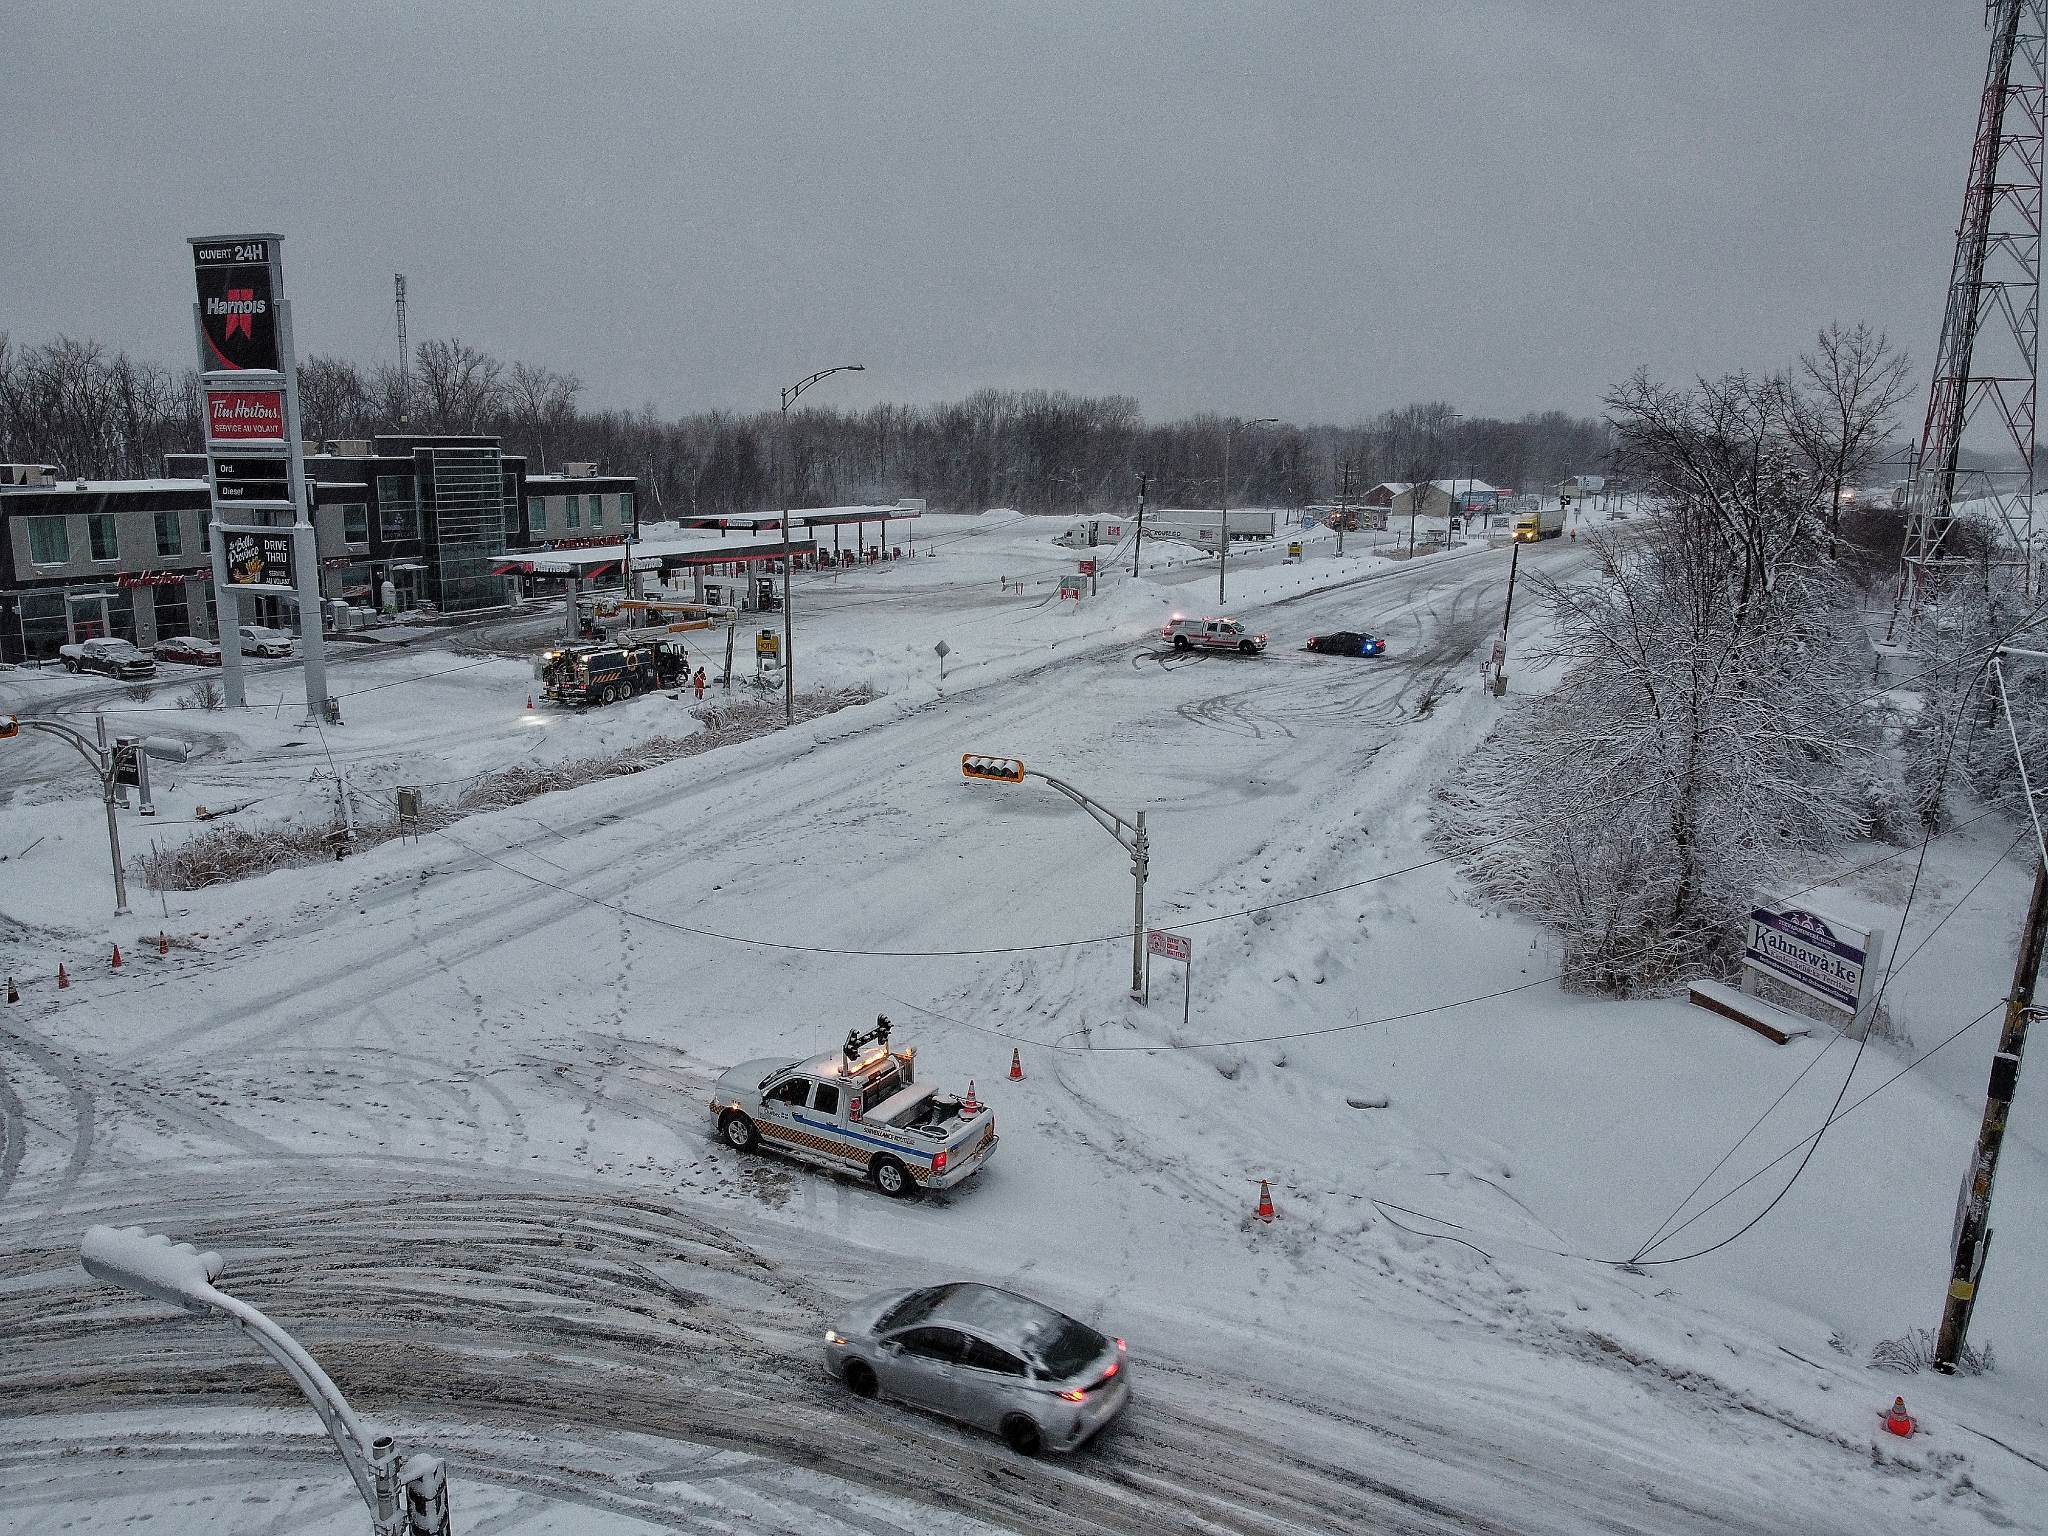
(407, 1495)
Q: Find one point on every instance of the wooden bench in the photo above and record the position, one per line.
(1773, 1023)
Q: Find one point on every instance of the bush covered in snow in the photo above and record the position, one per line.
(1708, 734)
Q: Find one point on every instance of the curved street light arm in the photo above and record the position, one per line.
(343, 1427)
(791, 391)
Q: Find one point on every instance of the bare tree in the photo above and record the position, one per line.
(334, 399)
(460, 387)
(1849, 387)
(541, 401)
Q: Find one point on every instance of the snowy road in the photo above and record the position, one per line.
(443, 1110)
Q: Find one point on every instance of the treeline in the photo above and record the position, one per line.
(98, 413)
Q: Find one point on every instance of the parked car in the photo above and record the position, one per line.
(260, 641)
(1346, 642)
(189, 649)
(1211, 635)
(987, 1357)
(116, 658)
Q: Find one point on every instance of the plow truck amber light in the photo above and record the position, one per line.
(832, 1337)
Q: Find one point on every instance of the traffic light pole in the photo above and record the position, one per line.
(106, 761)
(1131, 834)
(1138, 544)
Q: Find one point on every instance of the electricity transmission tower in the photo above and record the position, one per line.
(1986, 365)
(404, 356)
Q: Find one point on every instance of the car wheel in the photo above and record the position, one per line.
(892, 1178)
(611, 694)
(1022, 1435)
(738, 1131)
(70, 665)
(859, 1377)
(1245, 647)
(1182, 643)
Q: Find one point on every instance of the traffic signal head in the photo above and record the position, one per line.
(1006, 770)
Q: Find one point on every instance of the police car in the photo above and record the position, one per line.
(859, 1111)
(1211, 635)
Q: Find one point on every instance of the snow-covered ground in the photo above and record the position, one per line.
(442, 1106)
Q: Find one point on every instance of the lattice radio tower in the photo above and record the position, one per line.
(1986, 367)
(404, 356)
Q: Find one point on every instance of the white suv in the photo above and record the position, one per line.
(1211, 635)
(260, 641)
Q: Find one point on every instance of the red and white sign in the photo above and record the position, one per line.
(1087, 567)
(1172, 945)
(245, 415)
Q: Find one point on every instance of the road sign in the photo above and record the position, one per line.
(236, 415)
(252, 477)
(259, 559)
(767, 643)
(1087, 567)
(1172, 945)
(1005, 770)
(1074, 587)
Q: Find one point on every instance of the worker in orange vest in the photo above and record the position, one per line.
(698, 682)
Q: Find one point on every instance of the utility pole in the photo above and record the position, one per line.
(1223, 533)
(1343, 506)
(1137, 544)
(404, 358)
(1499, 661)
(1973, 1213)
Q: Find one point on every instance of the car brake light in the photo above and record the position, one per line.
(1119, 1346)
(1112, 1370)
(1075, 1396)
(938, 1162)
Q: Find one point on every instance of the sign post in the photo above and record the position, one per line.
(1175, 947)
(261, 534)
(1088, 570)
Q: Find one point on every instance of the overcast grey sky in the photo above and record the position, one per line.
(1313, 211)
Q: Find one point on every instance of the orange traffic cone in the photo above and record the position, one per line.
(529, 701)
(1265, 1210)
(63, 980)
(1898, 1421)
(117, 957)
(970, 1103)
(13, 992)
(1016, 1065)
(163, 942)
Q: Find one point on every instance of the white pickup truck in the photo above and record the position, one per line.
(858, 1111)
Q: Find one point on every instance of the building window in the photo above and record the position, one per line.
(105, 535)
(574, 505)
(49, 541)
(205, 527)
(398, 511)
(355, 523)
(597, 511)
(169, 538)
(536, 513)
(625, 506)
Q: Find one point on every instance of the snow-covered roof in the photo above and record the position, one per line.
(1463, 484)
(103, 487)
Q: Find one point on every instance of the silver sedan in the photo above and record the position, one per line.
(987, 1357)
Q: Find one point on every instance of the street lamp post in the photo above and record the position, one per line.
(407, 1495)
(789, 394)
(1223, 533)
